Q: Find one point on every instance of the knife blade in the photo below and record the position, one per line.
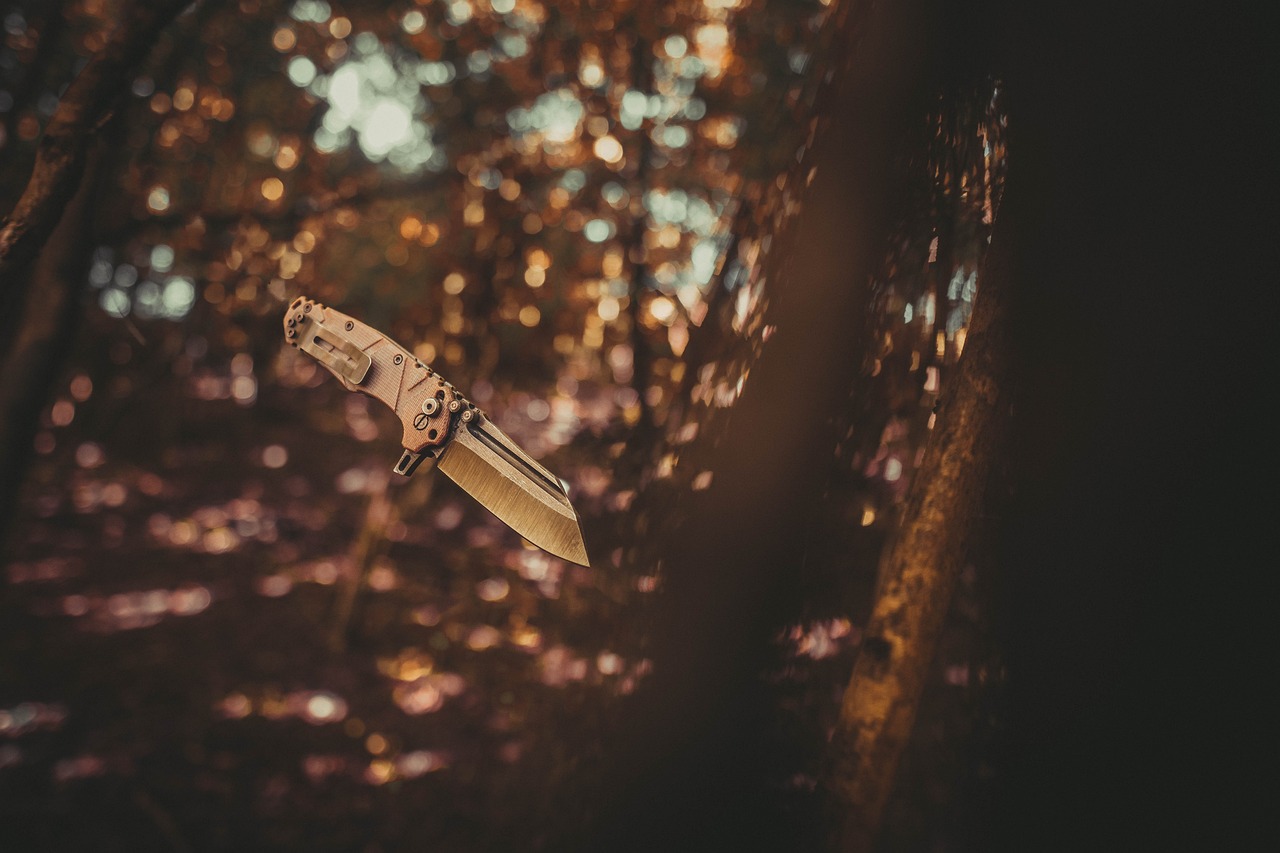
(441, 428)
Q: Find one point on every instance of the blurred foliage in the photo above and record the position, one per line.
(564, 207)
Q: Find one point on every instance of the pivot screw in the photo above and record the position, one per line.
(454, 405)
(430, 406)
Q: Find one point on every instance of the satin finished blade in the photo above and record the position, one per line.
(491, 468)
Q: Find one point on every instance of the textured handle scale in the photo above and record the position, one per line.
(368, 361)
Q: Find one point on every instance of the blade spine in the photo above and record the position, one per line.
(557, 497)
(481, 435)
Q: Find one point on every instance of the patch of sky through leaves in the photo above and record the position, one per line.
(374, 99)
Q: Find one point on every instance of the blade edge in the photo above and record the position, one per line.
(524, 506)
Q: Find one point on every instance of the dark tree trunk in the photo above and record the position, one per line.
(1136, 591)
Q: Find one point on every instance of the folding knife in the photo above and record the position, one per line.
(441, 427)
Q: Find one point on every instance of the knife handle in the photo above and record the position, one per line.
(365, 360)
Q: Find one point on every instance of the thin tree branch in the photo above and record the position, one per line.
(60, 158)
(318, 204)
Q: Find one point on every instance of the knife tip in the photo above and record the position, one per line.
(577, 553)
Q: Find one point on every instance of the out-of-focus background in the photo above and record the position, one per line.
(225, 625)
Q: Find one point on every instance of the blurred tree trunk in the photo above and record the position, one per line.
(43, 338)
(687, 767)
(389, 502)
(57, 207)
(637, 262)
(920, 567)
